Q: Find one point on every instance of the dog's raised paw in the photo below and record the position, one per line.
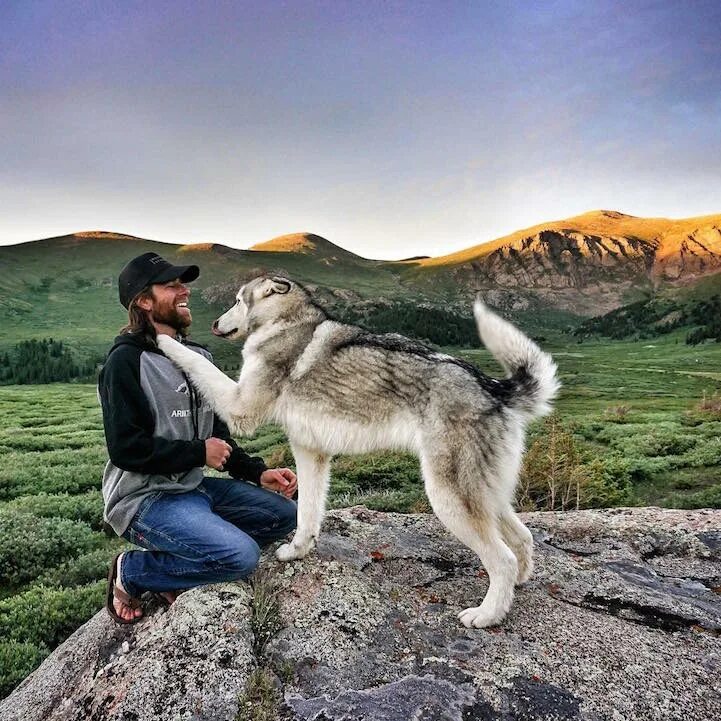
(479, 617)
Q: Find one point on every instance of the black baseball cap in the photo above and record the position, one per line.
(147, 269)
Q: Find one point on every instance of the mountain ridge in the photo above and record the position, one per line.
(579, 267)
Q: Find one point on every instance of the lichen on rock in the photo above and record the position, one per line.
(621, 620)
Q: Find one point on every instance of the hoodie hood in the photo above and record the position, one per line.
(135, 339)
(138, 340)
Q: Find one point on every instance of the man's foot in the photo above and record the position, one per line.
(167, 598)
(121, 605)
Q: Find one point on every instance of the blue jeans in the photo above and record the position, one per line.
(208, 535)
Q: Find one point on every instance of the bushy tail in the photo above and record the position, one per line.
(532, 371)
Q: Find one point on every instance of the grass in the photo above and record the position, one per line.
(261, 698)
(648, 412)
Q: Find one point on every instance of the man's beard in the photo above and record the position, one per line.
(170, 316)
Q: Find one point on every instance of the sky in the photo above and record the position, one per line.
(390, 128)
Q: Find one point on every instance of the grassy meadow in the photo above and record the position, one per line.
(631, 428)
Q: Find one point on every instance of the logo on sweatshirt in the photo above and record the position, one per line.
(182, 388)
(181, 413)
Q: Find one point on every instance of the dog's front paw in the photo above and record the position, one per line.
(480, 617)
(289, 552)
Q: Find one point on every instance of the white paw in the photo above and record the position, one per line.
(523, 575)
(289, 552)
(480, 617)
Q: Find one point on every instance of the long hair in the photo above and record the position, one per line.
(138, 320)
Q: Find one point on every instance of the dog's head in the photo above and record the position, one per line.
(261, 301)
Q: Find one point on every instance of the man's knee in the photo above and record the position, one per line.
(240, 561)
(287, 517)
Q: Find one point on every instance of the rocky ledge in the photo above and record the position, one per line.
(620, 621)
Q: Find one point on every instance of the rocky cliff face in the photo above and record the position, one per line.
(620, 621)
(566, 269)
(589, 263)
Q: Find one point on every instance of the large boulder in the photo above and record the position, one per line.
(621, 620)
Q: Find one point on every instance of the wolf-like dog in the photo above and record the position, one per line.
(337, 388)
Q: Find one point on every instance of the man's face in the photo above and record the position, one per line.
(170, 304)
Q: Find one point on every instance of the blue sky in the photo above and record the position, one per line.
(392, 129)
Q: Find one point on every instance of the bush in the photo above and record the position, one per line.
(376, 472)
(388, 501)
(87, 507)
(29, 479)
(267, 436)
(45, 617)
(29, 545)
(710, 406)
(558, 474)
(608, 483)
(706, 453)
(707, 498)
(17, 660)
(78, 571)
(659, 442)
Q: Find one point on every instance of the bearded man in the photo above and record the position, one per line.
(160, 434)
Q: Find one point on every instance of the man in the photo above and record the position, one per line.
(160, 434)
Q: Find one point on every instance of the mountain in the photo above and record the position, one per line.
(590, 263)
(66, 287)
(550, 275)
(307, 244)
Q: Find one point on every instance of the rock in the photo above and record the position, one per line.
(189, 663)
(621, 620)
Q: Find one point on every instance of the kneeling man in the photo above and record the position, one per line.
(160, 434)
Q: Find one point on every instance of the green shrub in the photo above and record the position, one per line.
(559, 474)
(86, 507)
(657, 443)
(29, 479)
(707, 498)
(84, 569)
(17, 660)
(607, 483)
(706, 453)
(29, 545)
(375, 472)
(413, 501)
(646, 469)
(47, 616)
(266, 437)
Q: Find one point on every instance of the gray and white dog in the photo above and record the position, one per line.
(336, 388)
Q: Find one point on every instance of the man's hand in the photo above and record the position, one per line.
(282, 480)
(217, 453)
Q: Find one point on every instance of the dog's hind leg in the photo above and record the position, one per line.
(519, 538)
(475, 524)
(313, 478)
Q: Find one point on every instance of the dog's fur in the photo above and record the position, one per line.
(337, 388)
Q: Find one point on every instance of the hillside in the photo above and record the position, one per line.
(307, 244)
(548, 277)
(589, 263)
(66, 287)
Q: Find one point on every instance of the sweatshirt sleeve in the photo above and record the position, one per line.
(240, 464)
(129, 425)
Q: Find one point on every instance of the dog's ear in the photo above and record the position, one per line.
(276, 285)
